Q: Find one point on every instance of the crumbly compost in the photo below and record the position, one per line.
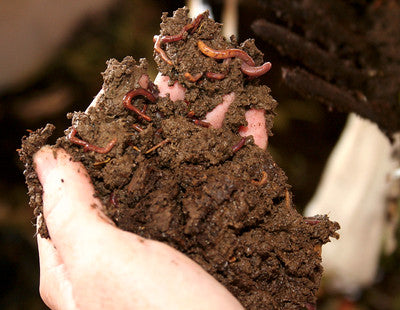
(207, 192)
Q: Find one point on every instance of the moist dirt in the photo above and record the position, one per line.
(171, 178)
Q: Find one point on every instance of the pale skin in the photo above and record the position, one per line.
(90, 264)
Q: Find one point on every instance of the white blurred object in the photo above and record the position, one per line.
(32, 31)
(197, 7)
(229, 16)
(353, 192)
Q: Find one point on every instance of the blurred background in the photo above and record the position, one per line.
(51, 56)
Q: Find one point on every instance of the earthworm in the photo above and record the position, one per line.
(311, 220)
(159, 40)
(138, 92)
(193, 78)
(195, 24)
(248, 66)
(255, 71)
(192, 26)
(224, 54)
(157, 47)
(190, 114)
(239, 145)
(220, 76)
(144, 109)
(201, 123)
(215, 76)
(197, 121)
(89, 147)
(152, 88)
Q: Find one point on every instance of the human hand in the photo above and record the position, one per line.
(255, 118)
(89, 263)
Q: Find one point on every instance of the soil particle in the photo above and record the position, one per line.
(183, 184)
(30, 145)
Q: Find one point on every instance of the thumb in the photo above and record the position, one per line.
(68, 196)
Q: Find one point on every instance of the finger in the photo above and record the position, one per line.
(217, 115)
(255, 118)
(69, 206)
(256, 127)
(55, 288)
(162, 271)
(105, 265)
(95, 100)
(176, 91)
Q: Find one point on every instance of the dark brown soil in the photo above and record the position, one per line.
(194, 191)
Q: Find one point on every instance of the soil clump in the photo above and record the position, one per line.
(208, 192)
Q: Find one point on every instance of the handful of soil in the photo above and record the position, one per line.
(163, 172)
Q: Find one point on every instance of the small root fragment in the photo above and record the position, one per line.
(263, 180)
(157, 146)
(99, 163)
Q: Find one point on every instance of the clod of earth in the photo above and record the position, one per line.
(172, 176)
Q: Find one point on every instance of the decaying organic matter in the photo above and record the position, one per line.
(207, 192)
